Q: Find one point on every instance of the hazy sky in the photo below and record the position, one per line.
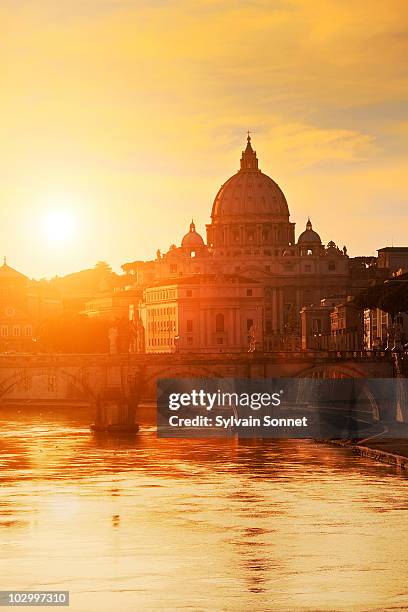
(130, 114)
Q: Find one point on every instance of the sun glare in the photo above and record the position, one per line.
(59, 225)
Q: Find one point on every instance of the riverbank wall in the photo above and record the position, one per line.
(391, 452)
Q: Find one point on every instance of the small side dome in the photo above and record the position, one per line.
(192, 240)
(9, 273)
(309, 236)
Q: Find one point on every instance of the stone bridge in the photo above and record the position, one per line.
(80, 378)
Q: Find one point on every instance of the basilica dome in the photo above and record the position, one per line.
(250, 193)
(192, 240)
(309, 236)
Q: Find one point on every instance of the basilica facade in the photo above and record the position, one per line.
(242, 288)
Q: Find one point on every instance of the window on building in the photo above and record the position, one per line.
(249, 292)
(265, 234)
(307, 297)
(220, 340)
(189, 325)
(173, 268)
(235, 236)
(332, 265)
(267, 268)
(268, 326)
(189, 340)
(189, 293)
(4, 330)
(317, 325)
(16, 330)
(250, 236)
(219, 322)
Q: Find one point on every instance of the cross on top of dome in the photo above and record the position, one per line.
(249, 160)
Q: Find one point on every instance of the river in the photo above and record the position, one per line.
(148, 524)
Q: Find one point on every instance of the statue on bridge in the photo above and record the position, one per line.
(113, 340)
(252, 340)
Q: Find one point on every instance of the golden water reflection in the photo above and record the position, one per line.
(141, 523)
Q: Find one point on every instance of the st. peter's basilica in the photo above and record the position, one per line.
(243, 287)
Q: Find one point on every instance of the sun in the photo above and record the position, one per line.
(59, 225)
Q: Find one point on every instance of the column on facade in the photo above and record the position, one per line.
(208, 324)
(298, 306)
(203, 329)
(259, 234)
(229, 328)
(280, 294)
(274, 311)
(235, 339)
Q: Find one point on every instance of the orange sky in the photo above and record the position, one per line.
(131, 113)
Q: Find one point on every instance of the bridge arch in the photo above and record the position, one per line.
(331, 371)
(47, 385)
(336, 371)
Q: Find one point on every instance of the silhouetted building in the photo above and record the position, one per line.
(112, 305)
(335, 325)
(24, 304)
(203, 313)
(379, 329)
(346, 327)
(393, 259)
(250, 236)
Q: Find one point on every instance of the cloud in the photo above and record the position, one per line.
(74, 10)
(150, 101)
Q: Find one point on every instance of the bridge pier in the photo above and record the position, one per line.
(114, 412)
